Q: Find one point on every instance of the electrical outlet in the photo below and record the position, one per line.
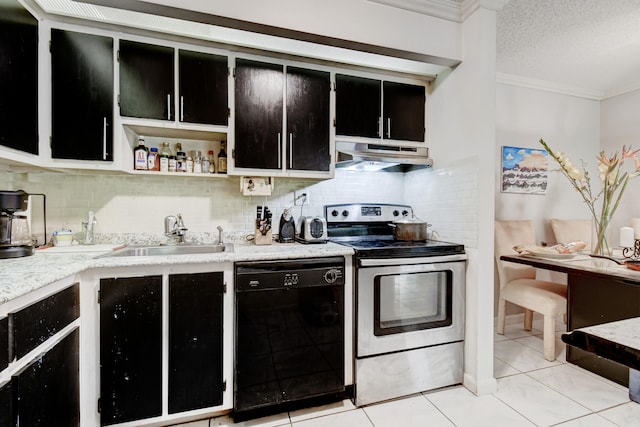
(301, 198)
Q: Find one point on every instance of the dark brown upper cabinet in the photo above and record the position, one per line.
(203, 88)
(147, 76)
(81, 96)
(258, 114)
(404, 111)
(308, 97)
(18, 78)
(261, 139)
(358, 105)
(371, 108)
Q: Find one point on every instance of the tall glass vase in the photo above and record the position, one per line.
(601, 246)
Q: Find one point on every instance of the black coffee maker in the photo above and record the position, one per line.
(15, 234)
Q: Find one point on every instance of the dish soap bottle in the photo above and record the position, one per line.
(222, 159)
(140, 154)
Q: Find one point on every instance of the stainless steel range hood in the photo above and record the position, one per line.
(388, 157)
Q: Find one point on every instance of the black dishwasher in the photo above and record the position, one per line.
(289, 341)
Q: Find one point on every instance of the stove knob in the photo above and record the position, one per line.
(345, 213)
(405, 213)
(396, 213)
(334, 213)
(331, 276)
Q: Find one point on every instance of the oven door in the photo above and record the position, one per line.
(410, 304)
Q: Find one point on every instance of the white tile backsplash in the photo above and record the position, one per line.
(139, 203)
(446, 198)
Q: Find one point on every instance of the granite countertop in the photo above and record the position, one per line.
(19, 276)
(618, 341)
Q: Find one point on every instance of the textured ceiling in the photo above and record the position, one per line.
(589, 47)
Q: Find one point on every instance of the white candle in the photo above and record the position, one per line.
(635, 223)
(626, 237)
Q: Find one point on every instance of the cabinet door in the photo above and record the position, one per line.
(6, 405)
(35, 324)
(130, 349)
(308, 119)
(258, 115)
(203, 88)
(48, 390)
(146, 80)
(18, 78)
(4, 343)
(195, 341)
(404, 109)
(358, 105)
(81, 96)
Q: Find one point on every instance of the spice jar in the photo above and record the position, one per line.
(181, 162)
(197, 161)
(173, 164)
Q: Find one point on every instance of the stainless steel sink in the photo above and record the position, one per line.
(167, 250)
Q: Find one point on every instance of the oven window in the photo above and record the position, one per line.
(411, 302)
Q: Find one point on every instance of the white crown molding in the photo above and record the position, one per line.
(470, 6)
(451, 10)
(529, 83)
(445, 9)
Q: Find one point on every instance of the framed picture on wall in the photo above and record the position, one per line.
(524, 170)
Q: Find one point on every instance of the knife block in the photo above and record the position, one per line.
(265, 239)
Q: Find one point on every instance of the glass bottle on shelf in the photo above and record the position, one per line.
(205, 163)
(165, 153)
(212, 162)
(140, 154)
(153, 159)
(222, 159)
(197, 161)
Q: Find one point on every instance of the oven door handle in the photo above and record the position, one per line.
(376, 262)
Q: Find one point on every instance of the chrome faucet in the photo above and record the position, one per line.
(220, 237)
(89, 229)
(174, 228)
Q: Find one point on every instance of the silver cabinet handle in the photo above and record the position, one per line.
(291, 151)
(279, 152)
(104, 139)
(388, 127)
(168, 106)
(181, 108)
(379, 125)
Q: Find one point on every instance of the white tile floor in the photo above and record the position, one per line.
(531, 392)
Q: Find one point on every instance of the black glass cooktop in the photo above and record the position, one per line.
(388, 247)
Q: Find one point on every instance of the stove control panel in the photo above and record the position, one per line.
(361, 212)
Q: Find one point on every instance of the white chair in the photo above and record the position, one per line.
(519, 286)
(572, 230)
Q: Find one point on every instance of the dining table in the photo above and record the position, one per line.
(599, 291)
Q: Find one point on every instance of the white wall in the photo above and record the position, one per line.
(620, 125)
(462, 139)
(568, 124)
(356, 20)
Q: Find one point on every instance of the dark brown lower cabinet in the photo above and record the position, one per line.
(4, 343)
(130, 349)
(195, 341)
(6, 405)
(47, 392)
(131, 343)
